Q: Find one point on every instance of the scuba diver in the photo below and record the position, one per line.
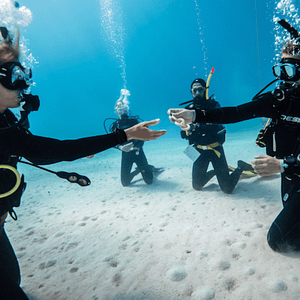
(16, 141)
(282, 139)
(132, 152)
(205, 144)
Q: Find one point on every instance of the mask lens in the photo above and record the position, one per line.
(17, 74)
(277, 70)
(285, 71)
(289, 70)
(20, 78)
(198, 90)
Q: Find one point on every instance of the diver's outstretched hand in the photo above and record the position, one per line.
(143, 133)
(266, 165)
(182, 117)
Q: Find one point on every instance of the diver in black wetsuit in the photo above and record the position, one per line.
(132, 152)
(16, 142)
(207, 139)
(282, 139)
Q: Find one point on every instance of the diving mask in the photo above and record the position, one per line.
(14, 76)
(198, 89)
(285, 71)
(288, 69)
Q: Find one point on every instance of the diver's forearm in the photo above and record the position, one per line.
(222, 115)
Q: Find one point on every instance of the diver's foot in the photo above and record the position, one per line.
(245, 166)
(156, 170)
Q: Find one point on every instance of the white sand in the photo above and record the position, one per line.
(161, 241)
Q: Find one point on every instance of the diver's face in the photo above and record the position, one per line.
(9, 98)
(197, 90)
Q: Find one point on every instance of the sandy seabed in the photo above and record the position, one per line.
(162, 241)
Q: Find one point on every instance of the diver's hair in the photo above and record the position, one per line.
(10, 51)
(292, 49)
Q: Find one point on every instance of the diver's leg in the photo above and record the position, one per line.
(199, 175)
(284, 233)
(126, 165)
(226, 181)
(143, 166)
(9, 271)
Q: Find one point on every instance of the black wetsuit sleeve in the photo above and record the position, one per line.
(262, 107)
(48, 150)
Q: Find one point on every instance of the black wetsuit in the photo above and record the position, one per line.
(136, 155)
(211, 136)
(19, 142)
(281, 142)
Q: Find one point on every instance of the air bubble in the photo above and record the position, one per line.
(111, 17)
(204, 50)
(12, 16)
(284, 9)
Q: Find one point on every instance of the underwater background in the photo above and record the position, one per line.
(86, 52)
(166, 240)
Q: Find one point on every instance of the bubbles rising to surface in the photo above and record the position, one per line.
(284, 9)
(112, 25)
(122, 104)
(14, 17)
(203, 48)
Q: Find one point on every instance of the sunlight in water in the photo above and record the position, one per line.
(111, 18)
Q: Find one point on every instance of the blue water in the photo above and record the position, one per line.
(162, 47)
(87, 51)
